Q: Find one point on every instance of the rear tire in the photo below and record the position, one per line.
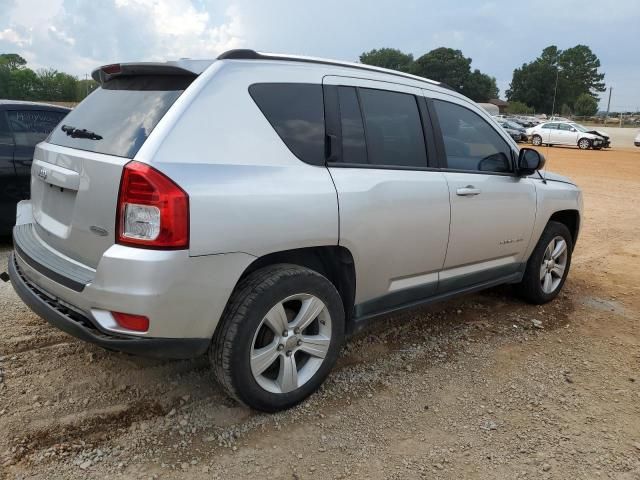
(279, 337)
(548, 265)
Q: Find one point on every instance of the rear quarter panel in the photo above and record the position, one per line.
(248, 192)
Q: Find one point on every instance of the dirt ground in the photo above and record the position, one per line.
(464, 389)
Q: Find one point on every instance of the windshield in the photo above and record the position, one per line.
(579, 127)
(120, 115)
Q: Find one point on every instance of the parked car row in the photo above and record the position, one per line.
(22, 126)
(515, 130)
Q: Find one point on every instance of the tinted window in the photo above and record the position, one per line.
(470, 142)
(5, 135)
(124, 111)
(353, 144)
(564, 126)
(30, 127)
(393, 128)
(550, 126)
(296, 112)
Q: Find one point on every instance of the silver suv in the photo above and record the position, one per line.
(260, 207)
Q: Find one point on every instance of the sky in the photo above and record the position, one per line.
(77, 36)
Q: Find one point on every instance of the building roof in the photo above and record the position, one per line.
(498, 102)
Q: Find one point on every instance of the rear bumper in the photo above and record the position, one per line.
(182, 296)
(85, 329)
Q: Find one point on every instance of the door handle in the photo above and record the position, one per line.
(468, 191)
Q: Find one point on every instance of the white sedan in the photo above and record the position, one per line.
(636, 141)
(564, 133)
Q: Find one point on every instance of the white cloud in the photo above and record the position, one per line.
(80, 36)
(12, 36)
(76, 36)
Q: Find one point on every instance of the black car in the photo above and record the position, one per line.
(22, 126)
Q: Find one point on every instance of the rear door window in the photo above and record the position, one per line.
(30, 127)
(6, 138)
(393, 128)
(296, 112)
(123, 111)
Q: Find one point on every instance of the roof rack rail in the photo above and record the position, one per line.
(248, 54)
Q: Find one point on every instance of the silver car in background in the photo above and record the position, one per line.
(258, 208)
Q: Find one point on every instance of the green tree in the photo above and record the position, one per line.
(586, 105)
(444, 65)
(516, 107)
(388, 58)
(534, 82)
(84, 88)
(576, 71)
(12, 61)
(579, 73)
(480, 87)
(23, 84)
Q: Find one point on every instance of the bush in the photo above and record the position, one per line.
(586, 105)
(518, 107)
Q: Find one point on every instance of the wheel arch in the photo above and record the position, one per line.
(585, 138)
(332, 261)
(571, 219)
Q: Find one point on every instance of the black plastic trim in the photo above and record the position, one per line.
(463, 281)
(428, 133)
(363, 317)
(395, 299)
(81, 327)
(381, 167)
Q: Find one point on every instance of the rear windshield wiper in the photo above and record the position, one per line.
(77, 133)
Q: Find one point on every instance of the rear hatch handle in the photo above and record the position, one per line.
(55, 175)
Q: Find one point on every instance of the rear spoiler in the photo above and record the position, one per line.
(191, 68)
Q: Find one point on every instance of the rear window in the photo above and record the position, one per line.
(296, 112)
(30, 127)
(124, 112)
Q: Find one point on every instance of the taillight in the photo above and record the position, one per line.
(138, 323)
(153, 211)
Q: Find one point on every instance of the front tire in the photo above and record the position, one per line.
(548, 265)
(536, 140)
(584, 144)
(279, 337)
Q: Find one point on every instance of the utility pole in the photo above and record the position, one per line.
(608, 105)
(555, 91)
(86, 78)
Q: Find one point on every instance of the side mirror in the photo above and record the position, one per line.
(573, 129)
(529, 160)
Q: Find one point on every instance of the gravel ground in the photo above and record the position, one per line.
(480, 387)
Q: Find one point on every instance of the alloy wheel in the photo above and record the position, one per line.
(291, 343)
(554, 263)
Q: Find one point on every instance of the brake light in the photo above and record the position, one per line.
(111, 69)
(153, 211)
(139, 323)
